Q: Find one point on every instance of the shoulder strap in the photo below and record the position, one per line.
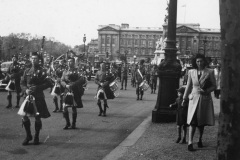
(140, 73)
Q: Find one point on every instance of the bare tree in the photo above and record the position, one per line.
(228, 146)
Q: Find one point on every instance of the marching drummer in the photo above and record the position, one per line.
(73, 83)
(154, 74)
(139, 77)
(103, 78)
(14, 74)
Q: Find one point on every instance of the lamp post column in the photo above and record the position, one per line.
(169, 73)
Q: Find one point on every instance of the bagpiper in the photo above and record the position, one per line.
(124, 75)
(139, 77)
(14, 74)
(57, 75)
(34, 81)
(103, 78)
(73, 83)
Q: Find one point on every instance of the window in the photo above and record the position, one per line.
(150, 51)
(143, 42)
(108, 49)
(108, 40)
(150, 43)
(136, 42)
(122, 50)
(122, 42)
(113, 40)
(129, 42)
(136, 51)
(103, 40)
(129, 51)
(103, 49)
(143, 51)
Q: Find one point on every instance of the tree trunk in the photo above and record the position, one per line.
(228, 146)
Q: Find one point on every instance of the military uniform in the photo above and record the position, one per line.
(35, 79)
(154, 74)
(57, 75)
(148, 74)
(73, 78)
(103, 79)
(139, 79)
(124, 76)
(133, 70)
(14, 73)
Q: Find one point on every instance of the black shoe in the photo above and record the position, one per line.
(184, 141)
(55, 110)
(178, 140)
(190, 147)
(121, 89)
(73, 126)
(26, 141)
(200, 145)
(17, 106)
(100, 113)
(67, 126)
(36, 141)
(9, 106)
(60, 110)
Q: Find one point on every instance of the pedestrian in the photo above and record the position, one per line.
(133, 70)
(217, 74)
(34, 81)
(153, 78)
(124, 75)
(73, 82)
(181, 115)
(103, 78)
(14, 74)
(201, 82)
(139, 77)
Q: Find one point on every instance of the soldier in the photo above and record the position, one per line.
(154, 74)
(73, 83)
(119, 71)
(57, 75)
(133, 70)
(140, 76)
(147, 73)
(14, 73)
(103, 78)
(124, 75)
(33, 82)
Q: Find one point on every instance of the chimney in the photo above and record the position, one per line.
(125, 25)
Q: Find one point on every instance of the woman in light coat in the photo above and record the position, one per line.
(201, 82)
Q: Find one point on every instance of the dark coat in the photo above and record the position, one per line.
(181, 112)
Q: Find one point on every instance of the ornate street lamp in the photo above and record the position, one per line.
(169, 72)
(126, 52)
(134, 58)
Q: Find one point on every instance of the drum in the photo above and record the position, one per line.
(113, 86)
(144, 86)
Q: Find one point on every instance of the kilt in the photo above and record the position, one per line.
(42, 107)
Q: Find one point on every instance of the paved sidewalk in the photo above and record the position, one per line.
(156, 141)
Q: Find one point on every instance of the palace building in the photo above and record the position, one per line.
(141, 42)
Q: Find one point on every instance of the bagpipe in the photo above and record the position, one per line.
(11, 86)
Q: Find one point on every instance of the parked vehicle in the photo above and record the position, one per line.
(5, 66)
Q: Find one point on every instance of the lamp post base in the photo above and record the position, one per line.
(163, 115)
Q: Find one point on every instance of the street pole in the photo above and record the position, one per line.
(169, 73)
(84, 40)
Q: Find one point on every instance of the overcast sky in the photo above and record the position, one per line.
(68, 20)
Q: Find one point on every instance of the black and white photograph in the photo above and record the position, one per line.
(119, 80)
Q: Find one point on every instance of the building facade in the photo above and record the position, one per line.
(141, 42)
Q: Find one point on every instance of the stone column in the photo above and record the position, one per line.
(169, 73)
